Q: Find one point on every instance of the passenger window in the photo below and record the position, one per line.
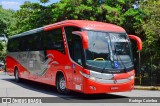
(35, 43)
(53, 40)
(13, 45)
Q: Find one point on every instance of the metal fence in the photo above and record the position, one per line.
(148, 78)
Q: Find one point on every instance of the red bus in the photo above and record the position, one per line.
(79, 55)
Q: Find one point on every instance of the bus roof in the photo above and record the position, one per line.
(84, 24)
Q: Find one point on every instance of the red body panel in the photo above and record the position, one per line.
(107, 88)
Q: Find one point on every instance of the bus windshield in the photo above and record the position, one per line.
(108, 52)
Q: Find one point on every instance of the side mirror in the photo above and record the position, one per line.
(139, 45)
(138, 40)
(84, 37)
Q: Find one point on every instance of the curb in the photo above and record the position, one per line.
(146, 88)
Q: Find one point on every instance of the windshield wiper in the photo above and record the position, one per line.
(110, 54)
(118, 56)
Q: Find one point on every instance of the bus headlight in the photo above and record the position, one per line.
(92, 78)
(131, 77)
(88, 76)
(85, 75)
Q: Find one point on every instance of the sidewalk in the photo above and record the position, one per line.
(147, 87)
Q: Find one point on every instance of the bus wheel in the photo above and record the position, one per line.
(16, 74)
(61, 84)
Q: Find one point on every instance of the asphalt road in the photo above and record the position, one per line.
(10, 88)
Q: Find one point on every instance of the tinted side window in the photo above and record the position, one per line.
(33, 42)
(68, 31)
(74, 44)
(13, 45)
(77, 49)
(25, 43)
(69, 35)
(53, 40)
(50, 40)
(9, 45)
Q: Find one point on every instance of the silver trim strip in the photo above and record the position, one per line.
(101, 75)
(120, 81)
(105, 78)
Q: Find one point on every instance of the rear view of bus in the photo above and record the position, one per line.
(96, 58)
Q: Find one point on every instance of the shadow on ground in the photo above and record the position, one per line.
(72, 96)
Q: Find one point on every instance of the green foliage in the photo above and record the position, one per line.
(32, 15)
(151, 27)
(120, 12)
(2, 50)
(44, 1)
(132, 21)
(99, 10)
(6, 19)
(6, 24)
(3, 26)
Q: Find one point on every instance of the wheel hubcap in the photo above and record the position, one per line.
(62, 84)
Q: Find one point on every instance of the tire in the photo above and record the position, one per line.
(61, 84)
(16, 74)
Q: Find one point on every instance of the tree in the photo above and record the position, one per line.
(44, 1)
(99, 10)
(5, 19)
(3, 27)
(32, 15)
(6, 24)
(151, 27)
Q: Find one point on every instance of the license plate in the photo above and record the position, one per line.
(114, 88)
